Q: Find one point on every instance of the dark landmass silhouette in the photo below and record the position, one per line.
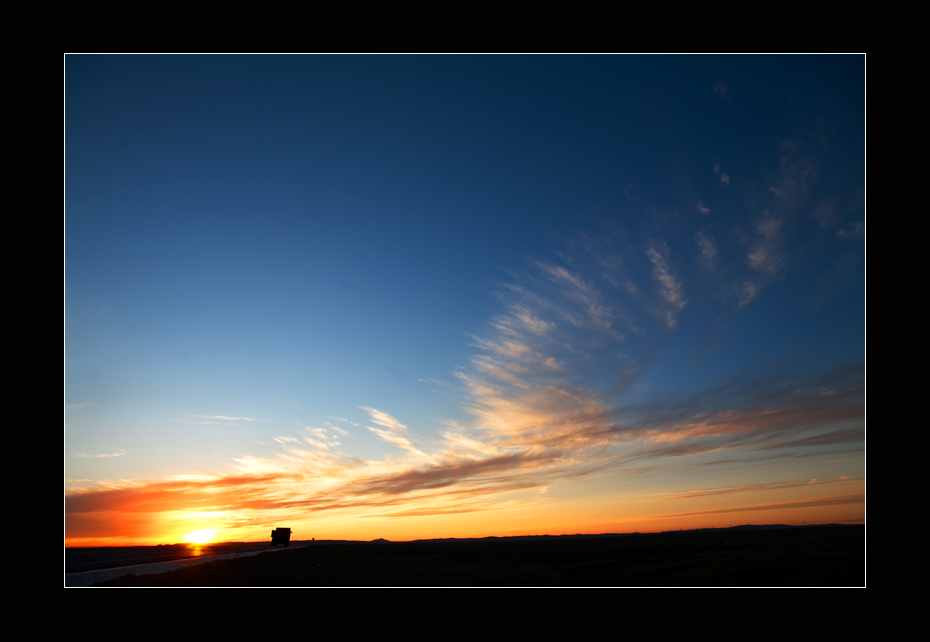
(772, 555)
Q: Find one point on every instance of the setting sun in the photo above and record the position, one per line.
(200, 537)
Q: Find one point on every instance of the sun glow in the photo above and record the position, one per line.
(200, 537)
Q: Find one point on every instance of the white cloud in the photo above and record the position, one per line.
(383, 419)
(794, 181)
(398, 440)
(748, 292)
(724, 177)
(671, 289)
(119, 454)
(766, 254)
(582, 291)
(854, 230)
(708, 250)
(392, 430)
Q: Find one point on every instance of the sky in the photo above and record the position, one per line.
(461, 296)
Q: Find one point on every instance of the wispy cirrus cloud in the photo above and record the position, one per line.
(224, 418)
(795, 177)
(580, 291)
(766, 257)
(671, 289)
(542, 391)
(697, 493)
(766, 252)
(854, 230)
(120, 453)
(528, 433)
(391, 430)
(774, 412)
(837, 500)
(708, 255)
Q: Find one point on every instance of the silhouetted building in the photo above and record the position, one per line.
(281, 536)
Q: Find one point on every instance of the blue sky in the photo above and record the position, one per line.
(562, 276)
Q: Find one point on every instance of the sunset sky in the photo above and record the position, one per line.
(457, 296)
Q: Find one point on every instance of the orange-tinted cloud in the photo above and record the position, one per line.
(542, 415)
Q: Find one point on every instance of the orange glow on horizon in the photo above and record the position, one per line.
(555, 512)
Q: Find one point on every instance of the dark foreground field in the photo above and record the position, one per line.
(825, 556)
